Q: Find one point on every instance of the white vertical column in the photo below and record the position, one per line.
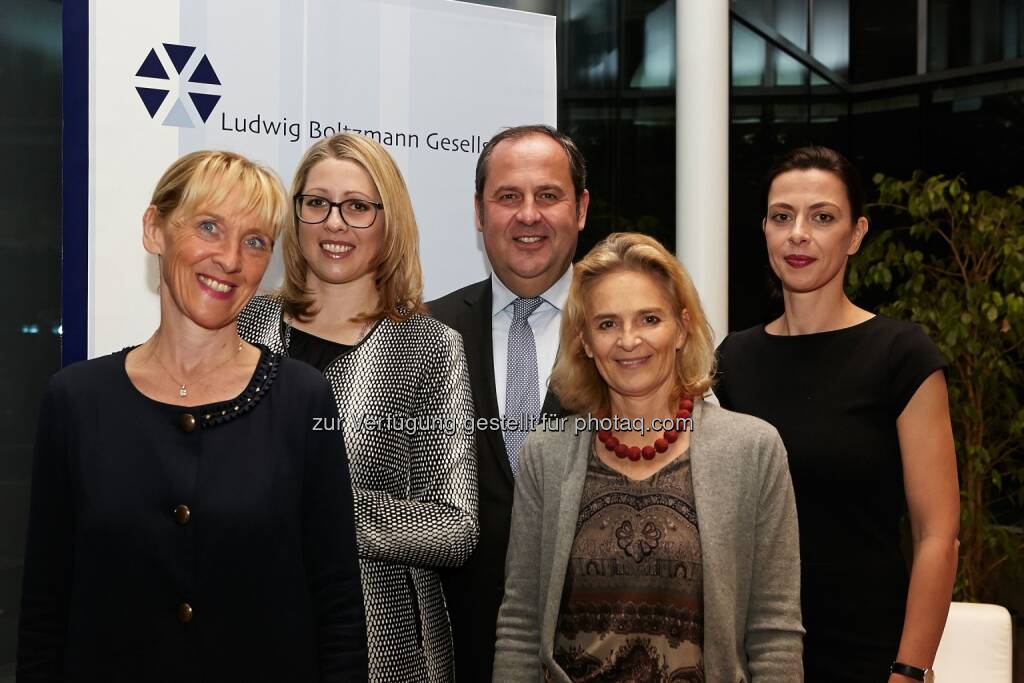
(702, 152)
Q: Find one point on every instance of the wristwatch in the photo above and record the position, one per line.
(926, 675)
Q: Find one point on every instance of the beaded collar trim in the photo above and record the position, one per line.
(219, 413)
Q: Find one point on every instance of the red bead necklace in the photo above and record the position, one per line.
(648, 452)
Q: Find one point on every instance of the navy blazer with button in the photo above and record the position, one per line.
(211, 543)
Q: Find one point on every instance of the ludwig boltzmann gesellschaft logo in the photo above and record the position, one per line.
(178, 87)
(194, 95)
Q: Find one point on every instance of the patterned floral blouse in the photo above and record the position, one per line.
(632, 610)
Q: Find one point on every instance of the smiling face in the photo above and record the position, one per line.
(336, 253)
(528, 213)
(211, 260)
(632, 333)
(809, 230)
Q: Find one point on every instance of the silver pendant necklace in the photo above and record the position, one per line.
(183, 390)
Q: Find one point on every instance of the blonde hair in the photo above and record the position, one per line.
(575, 378)
(207, 178)
(398, 278)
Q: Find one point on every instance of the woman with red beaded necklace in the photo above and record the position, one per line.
(654, 536)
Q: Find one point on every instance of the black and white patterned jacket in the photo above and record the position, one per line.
(404, 404)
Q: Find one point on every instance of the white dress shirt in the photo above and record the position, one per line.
(544, 322)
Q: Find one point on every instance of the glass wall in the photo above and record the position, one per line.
(973, 32)
(883, 39)
(30, 43)
(844, 74)
(617, 100)
(857, 88)
(777, 102)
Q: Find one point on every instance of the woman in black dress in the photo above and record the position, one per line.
(187, 522)
(860, 401)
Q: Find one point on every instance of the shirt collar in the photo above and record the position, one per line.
(555, 295)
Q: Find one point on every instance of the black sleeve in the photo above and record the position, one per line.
(49, 549)
(912, 358)
(329, 547)
(721, 373)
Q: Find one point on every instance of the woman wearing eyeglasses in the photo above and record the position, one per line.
(350, 306)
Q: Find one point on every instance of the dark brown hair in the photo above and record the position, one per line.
(822, 159)
(577, 164)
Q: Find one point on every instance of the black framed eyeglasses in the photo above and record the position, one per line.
(355, 212)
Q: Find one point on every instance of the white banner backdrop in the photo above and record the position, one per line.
(430, 79)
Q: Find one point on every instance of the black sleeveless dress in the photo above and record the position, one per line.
(834, 397)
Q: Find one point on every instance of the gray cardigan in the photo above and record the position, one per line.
(748, 534)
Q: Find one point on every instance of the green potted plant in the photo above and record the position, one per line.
(955, 266)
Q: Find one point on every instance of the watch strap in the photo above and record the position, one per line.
(902, 669)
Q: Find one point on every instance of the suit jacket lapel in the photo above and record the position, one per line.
(476, 319)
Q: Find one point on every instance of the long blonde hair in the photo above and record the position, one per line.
(575, 378)
(398, 277)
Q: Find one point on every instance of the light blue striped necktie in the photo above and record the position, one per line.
(522, 393)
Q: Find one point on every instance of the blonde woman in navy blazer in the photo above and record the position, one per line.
(187, 522)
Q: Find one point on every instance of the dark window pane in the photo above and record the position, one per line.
(969, 33)
(748, 57)
(788, 17)
(981, 116)
(883, 39)
(788, 71)
(880, 126)
(829, 121)
(592, 125)
(790, 20)
(30, 319)
(830, 35)
(650, 43)
(647, 190)
(1013, 36)
(985, 31)
(752, 149)
(755, 9)
(593, 43)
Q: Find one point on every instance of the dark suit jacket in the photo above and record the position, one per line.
(474, 591)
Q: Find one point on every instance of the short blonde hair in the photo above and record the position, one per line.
(207, 178)
(398, 278)
(575, 378)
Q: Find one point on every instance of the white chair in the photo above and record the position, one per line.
(977, 645)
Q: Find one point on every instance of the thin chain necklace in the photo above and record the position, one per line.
(183, 391)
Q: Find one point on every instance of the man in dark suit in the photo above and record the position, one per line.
(531, 203)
